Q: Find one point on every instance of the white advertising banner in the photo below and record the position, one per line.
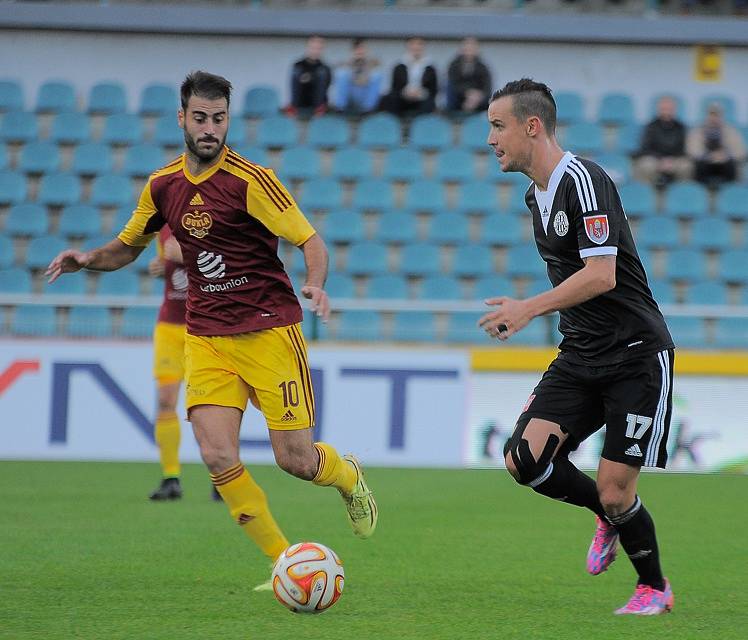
(707, 431)
(95, 401)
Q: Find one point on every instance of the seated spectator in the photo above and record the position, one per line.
(716, 148)
(357, 81)
(414, 83)
(662, 156)
(469, 80)
(310, 80)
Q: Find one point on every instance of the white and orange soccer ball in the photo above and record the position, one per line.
(308, 577)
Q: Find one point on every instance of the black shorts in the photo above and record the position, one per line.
(632, 399)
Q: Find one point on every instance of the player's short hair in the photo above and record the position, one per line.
(530, 99)
(205, 85)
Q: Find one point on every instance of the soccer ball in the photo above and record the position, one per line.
(308, 577)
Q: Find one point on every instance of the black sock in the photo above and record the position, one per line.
(637, 534)
(567, 483)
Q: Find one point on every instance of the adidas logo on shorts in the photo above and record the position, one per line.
(290, 417)
(634, 450)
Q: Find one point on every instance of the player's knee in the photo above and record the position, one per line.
(297, 465)
(520, 461)
(613, 498)
(218, 458)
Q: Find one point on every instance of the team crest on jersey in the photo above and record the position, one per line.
(198, 223)
(596, 228)
(561, 223)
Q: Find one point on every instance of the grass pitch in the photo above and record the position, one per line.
(458, 555)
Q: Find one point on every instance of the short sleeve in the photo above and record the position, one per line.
(144, 223)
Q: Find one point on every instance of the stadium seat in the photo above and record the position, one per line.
(515, 179)
(80, 221)
(340, 285)
(517, 204)
(537, 286)
(34, 320)
(74, 284)
(662, 291)
(237, 134)
(397, 227)
(12, 187)
(492, 285)
(732, 202)
(138, 322)
(463, 328)
(584, 139)
(711, 234)
(107, 98)
(342, 225)
(440, 288)
(616, 165)
(472, 261)
(124, 282)
(420, 259)
(56, 96)
(356, 326)
(15, 280)
(91, 159)
(27, 220)
(321, 194)
(474, 133)
(731, 333)
(111, 190)
(616, 109)
(373, 195)
(569, 108)
(478, 198)
(367, 258)
(11, 96)
(425, 196)
(59, 189)
(94, 242)
(687, 200)
(122, 129)
(39, 157)
(89, 322)
(261, 101)
(141, 160)
(167, 132)
(687, 331)
(524, 261)
(449, 227)
(638, 199)
(300, 163)
(403, 165)
(534, 334)
(733, 266)
(628, 138)
(351, 164)
(4, 160)
(18, 127)
(41, 251)
(708, 292)
(159, 100)
(414, 326)
(729, 108)
(277, 132)
(501, 230)
(380, 131)
(6, 252)
(658, 232)
(253, 154)
(387, 285)
(70, 128)
(685, 265)
(328, 132)
(430, 133)
(454, 165)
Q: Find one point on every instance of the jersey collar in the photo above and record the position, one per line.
(202, 177)
(545, 198)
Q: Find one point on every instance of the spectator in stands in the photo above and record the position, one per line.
(662, 155)
(414, 82)
(358, 81)
(716, 148)
(468, 80)
(310, 80)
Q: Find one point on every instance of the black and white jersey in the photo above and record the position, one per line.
(578, 216)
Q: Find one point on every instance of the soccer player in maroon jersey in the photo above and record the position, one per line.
(244, 340)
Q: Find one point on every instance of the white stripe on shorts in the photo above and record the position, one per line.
(658, 428)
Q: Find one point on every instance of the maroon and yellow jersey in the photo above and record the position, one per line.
(174, 306)
(227, 221)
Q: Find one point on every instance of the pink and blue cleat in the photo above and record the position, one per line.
(603, 549)
(647, 601)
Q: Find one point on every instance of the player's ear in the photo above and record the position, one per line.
(180, 118)
(532, 126)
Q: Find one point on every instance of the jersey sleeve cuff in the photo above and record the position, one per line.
(598, 251)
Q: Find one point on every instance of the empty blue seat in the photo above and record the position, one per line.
(440, 287)
(524, 261)
(493, 285)
(420, 259)
(94, 242)
(517, 204)
(685, 264)
(425, 195)
(628, 138)
(501, 230)
(89, 322)
(167, 132)
(111, 191)
(159, 100)
(39, 157)
(15, 280)
(300, 163)
(727, 103)
(430, 132)
(252, 153)
(142, 160)
(687, 200)
(344, 226)
(107, 97)
(122, 129)
(732, 202)
(616, 165)
(373, 194)
(474, 133)
(59, 189)
(536, 286)
(356, 326)
(56, 96)
(11, 95)
(6, 252)
(352, 164)
(19, 127)
(367, 258)
(328, 132)
(638, 199)
(27, 219)
(463, 328)
(535, 334)
(387, 285)
(138, 322)
(731, 333)
(658, 232)
(403, 165)
(237, 134)
(662, 291)
(397, 227)
(91, 159)
(478, 198)
(449, 227)
(12, 187)
(472, 261)
(687, 331)
(34, 320)
(515, 179)
(380, 131)
(711, 234)
(584, 138)
(616, 109)
(80, 221)
(322, 194)
(709, 292)
(454, 165)
(261, 101)
(277, 132)
(124, 282)
(70, 128)
(41, 251)
(414, 326)
(569, 107)
(74, 284)
(340, 285)
(733, 266)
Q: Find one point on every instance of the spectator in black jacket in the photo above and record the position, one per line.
(662, 156)
(414, 83)
(310, 80)
(468, 80)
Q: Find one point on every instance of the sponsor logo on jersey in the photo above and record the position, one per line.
(198, 223)
(179, 279)
(561, 223)
(211, 265)
(634, 450)
(197, 200)
(596, 228)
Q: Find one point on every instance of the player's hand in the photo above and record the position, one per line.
(511, 316)
(69, 261)
(320, 302)
(156, 267)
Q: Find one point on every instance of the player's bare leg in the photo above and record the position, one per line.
(167, 434)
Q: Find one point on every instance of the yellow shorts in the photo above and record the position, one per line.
(268, 367)
(168, 352)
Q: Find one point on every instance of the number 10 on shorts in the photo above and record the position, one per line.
(637, 425)
(290, 391)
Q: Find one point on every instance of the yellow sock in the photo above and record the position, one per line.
(167, 438)
(249, 507)
(333, 470)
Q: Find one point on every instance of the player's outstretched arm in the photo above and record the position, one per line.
(316, 257)
(112, 256)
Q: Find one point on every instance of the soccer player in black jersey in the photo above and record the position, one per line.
(615, 365)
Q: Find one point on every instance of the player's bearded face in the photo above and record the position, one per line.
(205, 125)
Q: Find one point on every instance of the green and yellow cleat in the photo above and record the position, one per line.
(362, 510)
